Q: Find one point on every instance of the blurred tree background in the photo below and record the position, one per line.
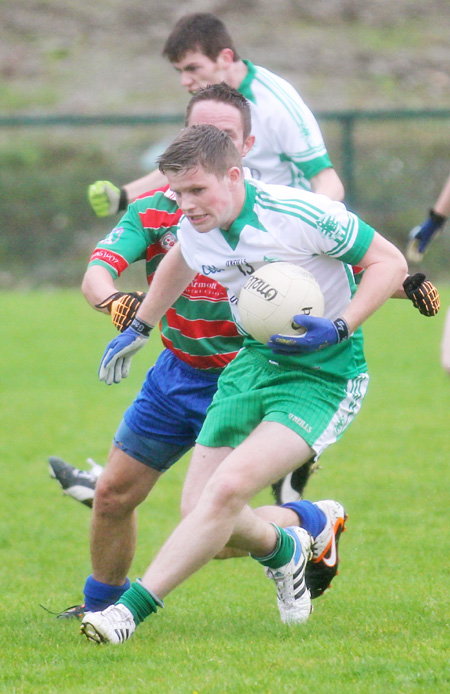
(77, 58)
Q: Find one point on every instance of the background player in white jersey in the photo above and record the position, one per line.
(289, 147)
(257, 428)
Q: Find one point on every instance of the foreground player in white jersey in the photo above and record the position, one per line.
(276, 405)
(289, 147)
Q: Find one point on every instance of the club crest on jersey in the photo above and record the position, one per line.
(168, 241)
(330, 227)
(113, 236)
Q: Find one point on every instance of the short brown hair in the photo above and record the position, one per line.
(198, 32)
(201, 145)
(223, 94)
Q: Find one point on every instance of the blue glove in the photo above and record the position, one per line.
(320, 333)
(421, 235)
(116, 361)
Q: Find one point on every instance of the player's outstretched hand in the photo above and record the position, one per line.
(423, 294)
(123, 307)
(116, 361)
(320, 333)
(421, 235)
(105, 198)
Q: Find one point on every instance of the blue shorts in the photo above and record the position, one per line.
(165, 418)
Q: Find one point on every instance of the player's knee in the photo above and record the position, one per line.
(115, 499)
(226, 492)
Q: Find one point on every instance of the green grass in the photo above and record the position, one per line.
(384, 626)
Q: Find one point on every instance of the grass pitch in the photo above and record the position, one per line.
(384, 626)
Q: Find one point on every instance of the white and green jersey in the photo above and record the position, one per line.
(278, 223)
(289, 148)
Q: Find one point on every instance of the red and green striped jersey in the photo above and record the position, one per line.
(198, 328)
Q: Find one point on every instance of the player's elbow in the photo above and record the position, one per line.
(97, 285)
(398, 268)
(387, 260)
(400, 264)
(86, 288)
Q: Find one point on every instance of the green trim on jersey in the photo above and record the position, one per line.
(361, 246)
(344, 360)
(314, 215)
(246, 216)
(303, 210)
(310, 168)
(245, 86)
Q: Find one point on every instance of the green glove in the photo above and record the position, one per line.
(106, 199)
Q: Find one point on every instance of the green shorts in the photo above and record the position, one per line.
(253, 389)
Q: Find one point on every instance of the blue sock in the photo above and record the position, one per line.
(312, 518)
(98, 596)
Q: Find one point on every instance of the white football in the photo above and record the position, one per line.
(273, 295)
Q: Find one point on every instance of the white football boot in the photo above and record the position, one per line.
(293, 597)
(114, 625)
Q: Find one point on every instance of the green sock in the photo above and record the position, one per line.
(283, 552)
(140, 601)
